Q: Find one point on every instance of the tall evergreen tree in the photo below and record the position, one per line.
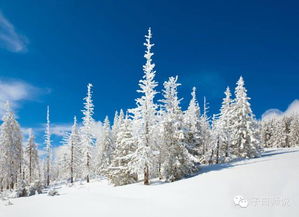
(268, 132)
(285, 127)
(205, 128)
(294, 131)
(48, 148)
(244, 140)
(11, 153)
(192, 122)
(117, 122)
(177, 161)
(73, 159)
(120, 172)
(31, 159)
(214, 154)
(104, 147)
(222, 130)
(144, 116)
(87, 135)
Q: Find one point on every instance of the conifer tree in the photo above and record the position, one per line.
(144, 117)
(48, 148)
(177, 161)
(193, 123)
(216, 145)
(221, 132)
(205, 130)
(86, 131)
(268, 132)
(285, 127)
(104, 147)
(294, 131)
(226, 122)
(244, 138)
(72, 160)
(31, 159)
(11, 153)
(120, 172)
(117, 122)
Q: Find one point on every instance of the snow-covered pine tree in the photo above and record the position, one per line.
(205, 129)
(31, 159)
(75, 140)
(294, 130)
(221, 132)
(42, 170)
(224, 127)
(117, 122)
(177, 161)
(214, 154)
(244, 140)
(115, 128)
(104, 146)
(192, 122)
(277, 138)
(61, 166)
(74, 154)
(86, 131)
(144, 117)
(119, 172)
(11, 153)
(157, 131)
(48, 148)
(268, 132)
(285, 127)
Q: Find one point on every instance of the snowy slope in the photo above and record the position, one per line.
(270, 184)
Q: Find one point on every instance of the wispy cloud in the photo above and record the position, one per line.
(275, 113)
(55, 129)
(10, 39)
(16, 91)
(60, 129)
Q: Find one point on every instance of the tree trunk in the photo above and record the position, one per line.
(146, 175)
(48, 172)
(217, 152)
(72, 163)
(87, 164)
(211, 158)
(12, 185)
(160, 166)
(30, 162)
(226, 150)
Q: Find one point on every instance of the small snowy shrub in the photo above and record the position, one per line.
(34, 188)
(53, 192)
(21, 190)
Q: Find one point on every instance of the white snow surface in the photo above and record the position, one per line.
(270, 185)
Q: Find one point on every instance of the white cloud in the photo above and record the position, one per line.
(55, 129)
(10, 39)
(275, 113)
(60, 129)
(16, 92)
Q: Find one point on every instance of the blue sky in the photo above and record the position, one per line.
(50, 50)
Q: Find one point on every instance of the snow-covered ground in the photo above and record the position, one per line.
(269, 184)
